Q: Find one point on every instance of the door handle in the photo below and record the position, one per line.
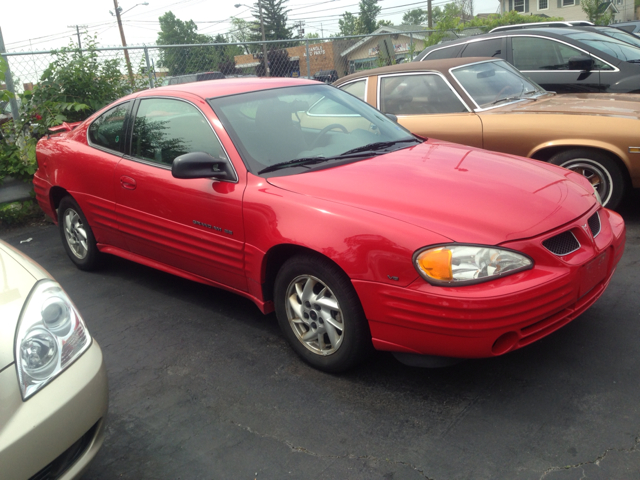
(128, 183)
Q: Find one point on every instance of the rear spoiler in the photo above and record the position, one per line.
(65, 127)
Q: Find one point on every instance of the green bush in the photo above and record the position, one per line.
(14, 213)
(74, 85)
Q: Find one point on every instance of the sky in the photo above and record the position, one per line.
(45, 25)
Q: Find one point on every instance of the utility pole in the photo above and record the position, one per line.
(9, 81)
(124, 42)
(264, 42)
(77, 27)
(300, 26)
(429, 16)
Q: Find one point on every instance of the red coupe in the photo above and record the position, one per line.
(311, 203)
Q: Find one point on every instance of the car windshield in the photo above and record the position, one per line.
(306, 126)
(620, 35)
(609, 45)
(495, 83)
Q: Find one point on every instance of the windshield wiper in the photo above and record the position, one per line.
(635, 60)
(295, 163)
(372, 147)
(506, 99)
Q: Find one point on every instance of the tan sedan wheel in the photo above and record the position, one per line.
(602, 171)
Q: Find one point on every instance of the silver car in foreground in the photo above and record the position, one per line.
(53, 382)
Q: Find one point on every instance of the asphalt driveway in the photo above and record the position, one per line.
(203, 386)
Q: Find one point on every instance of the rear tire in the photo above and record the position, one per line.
(320, 314)
(76, 235)
(601, 170)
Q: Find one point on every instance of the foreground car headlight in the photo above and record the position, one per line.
(50, 336)
(467, 264)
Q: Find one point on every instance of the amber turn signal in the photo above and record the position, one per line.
(436, 263)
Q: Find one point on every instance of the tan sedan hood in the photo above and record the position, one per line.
(18, 274)
(624, 105)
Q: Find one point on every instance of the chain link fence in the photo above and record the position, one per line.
(322, 59)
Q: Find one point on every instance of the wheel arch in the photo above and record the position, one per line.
(56, 194)
(547, 151)
(276, 256)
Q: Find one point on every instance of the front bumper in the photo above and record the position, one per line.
(39, 434)
(499, 316)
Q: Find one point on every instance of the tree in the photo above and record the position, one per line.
(596, 11)
(242, 32)
(180, 61)
(369, 10)
(312, 35)
(384, 23)
(275, 21)
(450, 11)
(349, 24)
(417, 16)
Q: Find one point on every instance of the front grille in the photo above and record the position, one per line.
(562, 244)
(56, 468)
(594, 224)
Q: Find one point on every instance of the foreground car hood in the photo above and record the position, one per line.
(463, 193)
(16, 280)
(626, 105)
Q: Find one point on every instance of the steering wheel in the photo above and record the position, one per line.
(505, 89)
(324, 131)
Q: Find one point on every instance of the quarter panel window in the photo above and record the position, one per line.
(533, 53)
(164, 129)
(355, 88)
(418, 95)
(107, 130)
(484, 48)
(447, 52)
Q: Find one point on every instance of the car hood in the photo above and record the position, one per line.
(625, 105)
(463, 193)
(18, 275)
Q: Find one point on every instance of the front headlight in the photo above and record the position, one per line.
(50, 336)
(455, 264)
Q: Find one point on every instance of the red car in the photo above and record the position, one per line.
(311, 203)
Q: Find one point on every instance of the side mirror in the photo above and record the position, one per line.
(391, 117)
(583, 64)
(202, 165)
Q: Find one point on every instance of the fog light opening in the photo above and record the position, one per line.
(505, 343)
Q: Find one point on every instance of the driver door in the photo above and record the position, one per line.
(193, 225)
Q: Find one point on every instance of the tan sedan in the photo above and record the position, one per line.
(487, 103)
(53, 383)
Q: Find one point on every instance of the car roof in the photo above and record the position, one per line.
(440, 65)
(229, 86)
(559, 33)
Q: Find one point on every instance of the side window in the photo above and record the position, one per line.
(418, 95)
(355, 88)
(447, 52)
(107, 130)
(164, 129)
(484, 48)
(532, 53)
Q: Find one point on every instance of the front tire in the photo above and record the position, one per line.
(320, 314)
(77, 237)
(601, 170)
